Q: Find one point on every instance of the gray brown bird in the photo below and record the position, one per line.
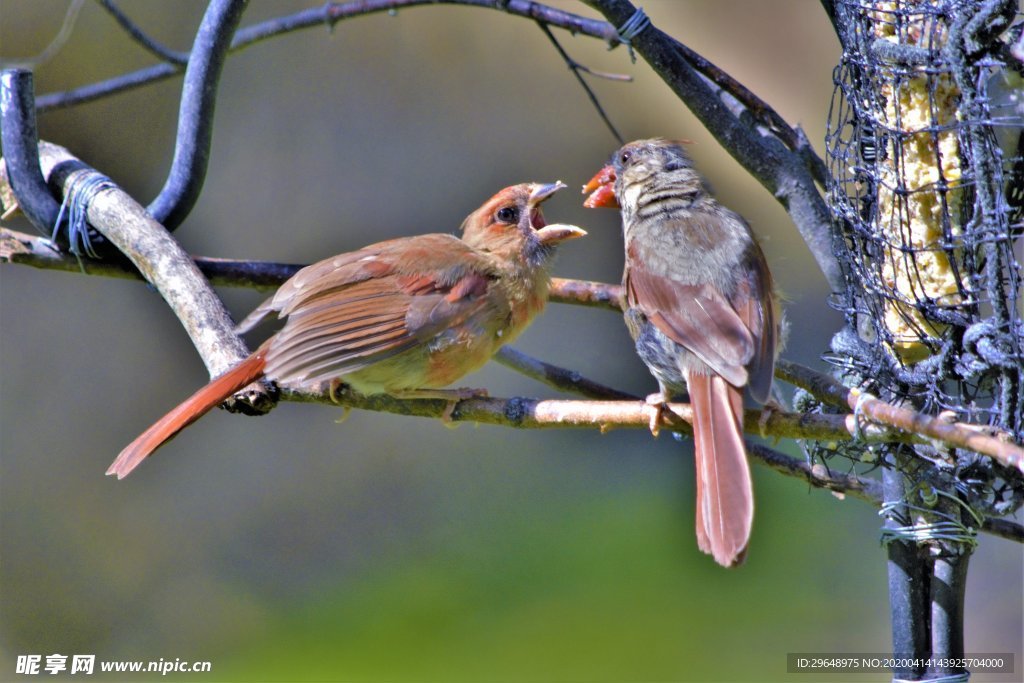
(404, 317)
(701, 309)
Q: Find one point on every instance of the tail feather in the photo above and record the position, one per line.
(190, 410)
(725, 494)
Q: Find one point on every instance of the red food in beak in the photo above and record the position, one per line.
(602, 190)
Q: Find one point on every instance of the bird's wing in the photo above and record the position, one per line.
(354, 310)
(697, 317)
(754, 302)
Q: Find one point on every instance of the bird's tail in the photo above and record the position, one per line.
(725, 494)
(190, 410)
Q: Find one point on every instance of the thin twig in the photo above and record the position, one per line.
(575, 67)
(142, 38)
(559, 378)
(328, 14)
(39, 252)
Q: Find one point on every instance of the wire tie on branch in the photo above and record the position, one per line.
(80, 190)
(949, 528)
(633, 27)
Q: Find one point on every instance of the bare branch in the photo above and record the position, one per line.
(16, 247)
(985, 440)
(586, 293)
(529, 413)
(328, 14)
(559, 378)
(576, 67)
(142, 38)
(159, 257)
(39, 252)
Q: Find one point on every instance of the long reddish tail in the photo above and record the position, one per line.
(725, 494)
(190, 410)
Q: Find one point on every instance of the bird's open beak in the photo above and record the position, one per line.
(542, 192)
(601, 189)
(559, 232)
(550, 234)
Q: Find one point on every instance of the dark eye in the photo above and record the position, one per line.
(508, 214)
(624, 157)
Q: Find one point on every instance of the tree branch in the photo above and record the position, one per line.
(532, 413)
(559, 378)
(16, 247)
(529, 413)
(152, 250)
(781, 171)
(576, 67)
(166, 54)
(39, 252)
(328, 15)
(980, 439)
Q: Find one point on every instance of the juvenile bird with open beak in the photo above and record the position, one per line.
(703, 315)
(405, 317)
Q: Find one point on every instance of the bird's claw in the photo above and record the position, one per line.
(770, 407)
(659, 414)
(332, 392)
(455, 396)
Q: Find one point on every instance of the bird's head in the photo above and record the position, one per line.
(511, 224)
(634, 164)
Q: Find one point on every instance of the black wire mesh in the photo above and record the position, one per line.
(927, 180)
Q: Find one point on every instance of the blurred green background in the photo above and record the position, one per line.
(290, 548)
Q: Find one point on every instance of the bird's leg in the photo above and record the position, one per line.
(776, 403)
(453, 396)
(334, 387)
(661, 413)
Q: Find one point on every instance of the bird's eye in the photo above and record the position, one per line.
(508, 214)
(624, 157)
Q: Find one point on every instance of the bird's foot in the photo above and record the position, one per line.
(660, 412)
(335, 386)
(452, 396)
(770, 407)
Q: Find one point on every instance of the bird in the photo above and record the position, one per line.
(405, 317)
(701, 309)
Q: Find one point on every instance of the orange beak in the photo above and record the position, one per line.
(602, 190)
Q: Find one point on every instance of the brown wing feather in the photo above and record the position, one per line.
(361, 308)
(695, 316)
(754, 302)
